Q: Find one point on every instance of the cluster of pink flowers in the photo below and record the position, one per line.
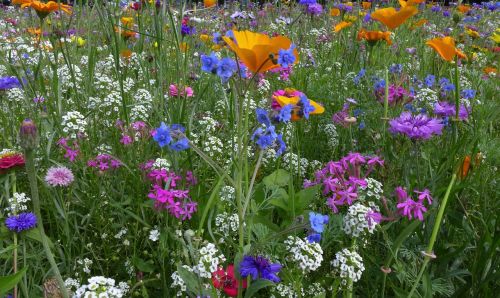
(136, 131)
(104, 162)
(341, 179)
(413, 208)
(170, 191)
(174, 91)
(71, 152)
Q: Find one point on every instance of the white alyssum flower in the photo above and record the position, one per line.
(17, 203)
(227, 194)
(154, 235)
(227, 224)
(348, 265)
(74, 124)
(161, 164)
(100, 286)
(308, 256)
(332, 135)
(208, 261)
(356, 221)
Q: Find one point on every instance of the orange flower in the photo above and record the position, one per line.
(258, 51)
(372, 37)
(464, 169)
(366, 5)
(341, 26)
(127, 21)
(126, 53)
(209, 3)
(489, 70)
(334, 12)
(410, 2)
(184, 47)
(296, 112)
(419, 23)
(34, 31)
(445, 47)
(43, 9)
(205, 37)
(463, 8)
(392, 18)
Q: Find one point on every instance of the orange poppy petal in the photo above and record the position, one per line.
(392, 18)
(444, 46)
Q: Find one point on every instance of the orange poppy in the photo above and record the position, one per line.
(464, 169)
(127, 21)
(463, 8)
(34, 31)
(258, 51)
(392, 18)
(341, 26)
(445, 47)
(410, 2)
(366, 5)
(209, 3)
(372, 37)
(419, 23)
(294, 100)
(43, 9)
(489, 70)
(126, 53)
(334, 12)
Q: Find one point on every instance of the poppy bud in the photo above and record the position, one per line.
(28, 135)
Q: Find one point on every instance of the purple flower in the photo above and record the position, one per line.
(446, 109)
(417, 127)
(307, 2)
(314, 9)
(59, 176)
(162, 135)
(259, 267)
(262, 116)
(21, 222)
(9, 83)
(314, 238)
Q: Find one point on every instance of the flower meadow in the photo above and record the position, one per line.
(249, 149)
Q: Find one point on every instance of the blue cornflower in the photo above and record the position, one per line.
(187, 30)
(429, 81)
(446, 13)
(379, 84)
(226, 68)
(314, 238)
(181, 144)
(262, 116)
(21, 222)
(306, 107)
(357, 112)
(307, 2)
(9, 83)
(468, 93)
(358, 77)
(362, 125)
(286, 57)
(267, 138)
(367, 18)
(281, 145)
(285, 114)
(396, 68)
(209, 63)
(409, 107)
(162, 135)
(318, 221)
(259, 267)
(217, 38)
(243, 71)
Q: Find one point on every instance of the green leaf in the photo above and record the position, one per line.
(34, 234)
(279, 177)
(304, 197)
(143, 265)
(256, 286)
(189, 278)
(10, 281)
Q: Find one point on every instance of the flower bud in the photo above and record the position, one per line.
(28, 135)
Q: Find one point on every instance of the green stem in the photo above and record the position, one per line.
(30, 169)
(435, 231)
(252, 182)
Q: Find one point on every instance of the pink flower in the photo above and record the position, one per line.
(59, 176)
(173, 90)
(126, 140)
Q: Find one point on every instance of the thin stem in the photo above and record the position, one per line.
(30, 169)
(15, 261)
(435, 230)
(249, 194)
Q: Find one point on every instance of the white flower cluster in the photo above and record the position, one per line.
(208, 261)
(71, 284)
(85, 263)
(74, 124)
(69, 77)
(18, 203)
(332, 135)
(100, 287)
(154, 234)
(288, 291)
(15, 95)
(308, 256)
(427, 97)
(178, 282)
(161, 164)
(263, 86)
(227, 224)
(121, 233)
(356, 221)
(348, 265)
(294, 164)
(373, 190)
(227, 194)
(142, 106)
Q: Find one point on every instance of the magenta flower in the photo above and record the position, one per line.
(416, 127)
(410, 208)
(104, 162)
(59, 176)
(446, 109)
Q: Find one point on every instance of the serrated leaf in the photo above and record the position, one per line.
(279, 177)
(256, 286)
(10, 281)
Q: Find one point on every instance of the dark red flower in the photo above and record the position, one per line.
(10, 160)
(227, 281)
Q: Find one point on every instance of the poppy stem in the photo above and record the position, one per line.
(428, 253)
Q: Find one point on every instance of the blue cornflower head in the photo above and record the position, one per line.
(243, 71)
(21, 222)
(429, 81)
(357, 112)
(285, 114)
(307, 2)
(318, 221)
(187, 30)
(358, 77)
(409, 107)
(468, 93)
(181, 144)
(379, 84)
(9, 83)
(396, 68)
(306, 106)
(362, 125)
(314, 238)
(217, 38)
(259, 267)
(286, 57)
(209, 63)
(226, 68)
(367, 18)
(281, 145)
(262, 116)
(162, 135)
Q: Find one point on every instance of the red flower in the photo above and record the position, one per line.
(226, 280)
(10, 160)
